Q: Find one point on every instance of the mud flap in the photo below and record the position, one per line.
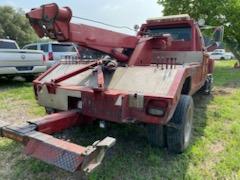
(63, 154)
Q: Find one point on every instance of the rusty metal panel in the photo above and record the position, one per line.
(58, 100)
(63, 154)
(136, 100)
(107, 142)
(182, 57)
(62, 69)
(92, 106)
(54, 151)
(143, 80)
(87, 78)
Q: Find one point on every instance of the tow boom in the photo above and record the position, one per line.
(54, 22)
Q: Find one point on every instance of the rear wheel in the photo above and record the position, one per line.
(179, 128)
(10, 78)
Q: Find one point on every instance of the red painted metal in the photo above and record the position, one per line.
(140, 46)
(57, 122)
(66, 155)
(78, 71)
(54, 151)
(100, 77)
(36, 86)
(62, 30)
(210, 66)
(99, 101)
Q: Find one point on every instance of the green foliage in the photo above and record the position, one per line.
(14, 24)
(215, 12)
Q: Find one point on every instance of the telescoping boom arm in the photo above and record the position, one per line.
(54, 22)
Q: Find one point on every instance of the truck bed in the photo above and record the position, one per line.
(137, 79)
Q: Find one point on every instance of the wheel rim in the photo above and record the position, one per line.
(188, 126)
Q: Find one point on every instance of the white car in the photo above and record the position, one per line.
(217, 55)
(55, 51)
(221, 55)
(219, 51)
(229, 55)
(14, 61)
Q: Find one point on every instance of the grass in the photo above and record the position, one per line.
(213, 154)
(17, 93)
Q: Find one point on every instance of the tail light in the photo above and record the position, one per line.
(157, 108)
(50, 56)
(44, 58)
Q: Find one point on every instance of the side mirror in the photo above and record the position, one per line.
(218, 34)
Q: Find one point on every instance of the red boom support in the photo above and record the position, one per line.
(54, 22)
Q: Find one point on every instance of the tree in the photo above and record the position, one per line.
(14, 25)
(214, 12)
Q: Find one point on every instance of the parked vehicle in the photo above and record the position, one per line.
(219, 51)
(55, 51)
(221, 55)
(149, 80)
(229, 55)
(14, 61)
(218, 55)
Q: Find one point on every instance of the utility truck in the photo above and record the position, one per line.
(147, 79)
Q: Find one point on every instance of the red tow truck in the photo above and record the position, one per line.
(147, 79)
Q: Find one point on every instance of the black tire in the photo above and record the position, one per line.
(11, 78)
(222, 58)
(156, 135)
(179, 129)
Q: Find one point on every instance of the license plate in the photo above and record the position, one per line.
(24, 68)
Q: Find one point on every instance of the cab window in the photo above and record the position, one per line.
(44, 47)
(177, 33)
(32, 47)
(8, 45)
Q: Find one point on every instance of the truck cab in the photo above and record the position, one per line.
(187, 41)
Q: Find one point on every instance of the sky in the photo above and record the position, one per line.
(116, 12)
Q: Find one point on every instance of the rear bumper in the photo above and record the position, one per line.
(14, 70)
(111, 105)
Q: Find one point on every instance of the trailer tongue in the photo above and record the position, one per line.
(38, 142)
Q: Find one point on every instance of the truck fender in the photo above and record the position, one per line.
(210, 66)
(186, 86)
